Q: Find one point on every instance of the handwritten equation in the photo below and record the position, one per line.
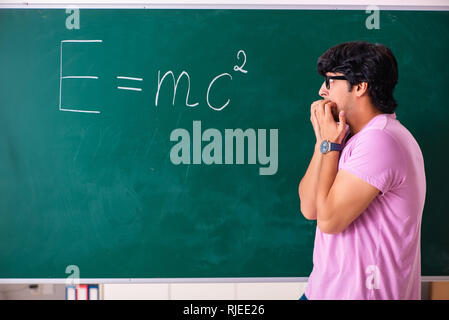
(139, 81)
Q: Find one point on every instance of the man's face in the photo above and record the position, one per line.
(337, 93)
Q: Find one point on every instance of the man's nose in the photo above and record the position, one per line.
(323, 91)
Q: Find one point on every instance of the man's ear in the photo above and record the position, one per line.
(361, 88)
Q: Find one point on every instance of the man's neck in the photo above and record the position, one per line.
(360, 120)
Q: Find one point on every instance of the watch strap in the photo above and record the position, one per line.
(335, 146)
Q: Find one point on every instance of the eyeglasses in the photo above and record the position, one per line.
(328, 85)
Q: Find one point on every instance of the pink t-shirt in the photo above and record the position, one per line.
(378, 255)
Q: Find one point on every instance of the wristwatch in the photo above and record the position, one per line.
(327, 146)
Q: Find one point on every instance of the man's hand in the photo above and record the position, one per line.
(324, 124)
(314, 120)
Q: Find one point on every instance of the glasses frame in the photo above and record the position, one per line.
(328, 85)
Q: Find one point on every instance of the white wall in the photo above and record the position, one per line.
(205, 291)
(23, 292)
(164, 291)
(173, 291)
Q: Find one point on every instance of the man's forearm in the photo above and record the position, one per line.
(328, 172)
(308, 186)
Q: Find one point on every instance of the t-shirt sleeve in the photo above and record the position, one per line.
(376, 158)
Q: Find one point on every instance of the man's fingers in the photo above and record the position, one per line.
(318, 103)
(328, 109)
(314, 105)
(313, 117)
(320, 108)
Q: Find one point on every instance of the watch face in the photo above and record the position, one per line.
(324, 146)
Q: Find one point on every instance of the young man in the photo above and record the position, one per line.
(365, 184)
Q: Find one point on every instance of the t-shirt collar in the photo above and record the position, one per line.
(348, 131)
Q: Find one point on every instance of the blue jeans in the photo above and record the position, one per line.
(303, 297)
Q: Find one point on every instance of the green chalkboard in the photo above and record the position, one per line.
(88, 167)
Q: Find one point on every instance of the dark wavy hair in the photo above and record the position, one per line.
(362, 61)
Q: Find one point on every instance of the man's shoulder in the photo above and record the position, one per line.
(377, 138)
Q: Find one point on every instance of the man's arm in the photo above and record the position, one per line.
(341, 197)
(309, 185)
